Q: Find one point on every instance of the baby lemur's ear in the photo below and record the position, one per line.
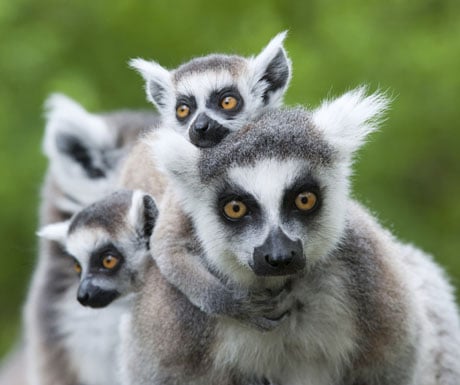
(55, 232)
(271, 72)
(143, 213)
(158, 83)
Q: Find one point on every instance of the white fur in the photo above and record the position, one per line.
(347, 121)
(55, 231)
(154, 74)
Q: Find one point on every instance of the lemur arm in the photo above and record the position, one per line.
(179, 257)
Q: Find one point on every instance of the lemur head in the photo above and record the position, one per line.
(208, 97)
(85, 149)
(109, 241)
(270, 200)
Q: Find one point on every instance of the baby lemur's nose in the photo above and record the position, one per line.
(278, 255)
(94, 296)
(206, 132)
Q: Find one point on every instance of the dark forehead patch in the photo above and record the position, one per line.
(109, 213)
(279, 134)
(232, 64)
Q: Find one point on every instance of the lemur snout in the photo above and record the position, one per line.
(95, 296)
(278, 255)
(206, 132)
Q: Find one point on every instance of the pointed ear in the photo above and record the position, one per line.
(175, 156)
(73, 134)
(271, 72)
(158, 83)
(143, 213)
(349, 119)
(55, 232)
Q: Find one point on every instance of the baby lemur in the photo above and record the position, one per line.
(109, 243)
(269, 209)
(210, 96)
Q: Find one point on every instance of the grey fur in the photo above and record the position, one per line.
(363, 311)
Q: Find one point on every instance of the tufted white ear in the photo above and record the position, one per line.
(175, 156)
(271, 72)
(55, 232)
(143, 213)
(70, 126)
(158, 82)
(349, 119)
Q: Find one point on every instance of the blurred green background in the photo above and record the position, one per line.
(408, 174)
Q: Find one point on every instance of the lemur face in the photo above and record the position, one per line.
(209, 97)
(109, 244)
(270, 200)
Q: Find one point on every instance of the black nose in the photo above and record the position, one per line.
(278, 255)
(94, 296)
(201, 123)
(206, 132)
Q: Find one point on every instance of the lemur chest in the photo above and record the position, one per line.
(311, 347)
(91, 337)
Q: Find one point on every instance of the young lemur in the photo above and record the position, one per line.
(85, 152)
(109, 243)
(210, 96)
(270, 209)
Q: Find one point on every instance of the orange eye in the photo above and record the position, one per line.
(229, 103)
(110, 262)
(77, 267)
(306, 201)
(235, 209)
(182, 111)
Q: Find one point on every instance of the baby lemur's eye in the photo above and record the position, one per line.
(229, 102)
(306, 201)
(235, 210)
(182, 111)
(110, 262)
(77, 267)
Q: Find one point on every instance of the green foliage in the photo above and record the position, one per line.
(408, 174)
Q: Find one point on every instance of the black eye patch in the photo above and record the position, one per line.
(216, 97)
(190, 102)
(303, 185)
(99, 254)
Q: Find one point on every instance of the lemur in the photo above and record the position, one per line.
(210, 96)
(84, 151)
(79, 157)
(269, 209)
(108, 241)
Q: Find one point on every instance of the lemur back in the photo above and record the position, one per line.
(269, 209)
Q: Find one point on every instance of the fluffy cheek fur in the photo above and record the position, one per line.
(325, 233)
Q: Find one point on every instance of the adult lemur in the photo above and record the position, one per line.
(270, 210)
